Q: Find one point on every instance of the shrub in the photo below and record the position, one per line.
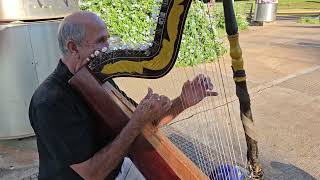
(132, 21)
(309, 20)
(240, 16)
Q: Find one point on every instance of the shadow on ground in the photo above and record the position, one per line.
(282, 171)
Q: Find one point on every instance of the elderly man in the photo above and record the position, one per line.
(64, 125)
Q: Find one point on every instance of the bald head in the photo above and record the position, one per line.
(80, 34)
(83, 17)
(75, 27)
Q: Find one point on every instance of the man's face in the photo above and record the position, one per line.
(95, 39)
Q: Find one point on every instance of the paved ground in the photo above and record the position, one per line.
(286, 103)
(283, 67)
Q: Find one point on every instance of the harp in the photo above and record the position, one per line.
(152, 152)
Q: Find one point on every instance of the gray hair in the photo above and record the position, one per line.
(70, 31)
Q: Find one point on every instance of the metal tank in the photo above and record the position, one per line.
(11, 10)
(28, 54)
(266, 10)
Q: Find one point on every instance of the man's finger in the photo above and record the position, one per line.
(200, 76)
(164, 99)
(155, 97)
(155, 122)
(199, 79)
(187, 83)
(211, 93)
(209, 85)
(149, 94)
(209, 80)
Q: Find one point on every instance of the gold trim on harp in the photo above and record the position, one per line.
(236, 55)
(160, 61)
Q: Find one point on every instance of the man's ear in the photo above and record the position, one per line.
(73, 49)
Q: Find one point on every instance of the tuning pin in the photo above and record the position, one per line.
(96, 53)
(155, 19)
(156, 9)
(112, 48)
(115, 47)
(125, 46)
(143, 47)
(104, 49)
(152, 31)
(92, 55)
(88, 59)
(138, 47)
(131, 47)
(154, 16)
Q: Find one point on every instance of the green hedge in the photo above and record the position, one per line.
(132, 21)
(309, 20)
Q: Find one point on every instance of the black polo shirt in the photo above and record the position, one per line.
(64, 127)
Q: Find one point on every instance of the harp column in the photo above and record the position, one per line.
(239, 77)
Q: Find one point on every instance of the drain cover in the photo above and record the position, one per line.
(307, 83)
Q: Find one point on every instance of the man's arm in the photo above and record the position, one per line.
(176, 108)
(192, 93)
(107, 159)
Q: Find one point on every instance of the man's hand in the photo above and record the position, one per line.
(194, 91)
(151, 109)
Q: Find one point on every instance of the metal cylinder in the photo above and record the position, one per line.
(28, 53)
(265, 12)
(13, 10)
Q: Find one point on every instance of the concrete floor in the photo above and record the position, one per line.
(283, 68)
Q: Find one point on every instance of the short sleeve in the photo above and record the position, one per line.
(66, 135)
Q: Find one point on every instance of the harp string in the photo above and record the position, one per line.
(211, 102)
(200, 118)
(233, 115)
(235, 119)
(214, 115)
(232, 111)
(228, 114)
(206, 72)
(201, 152)
(195, 143)
(206, 119)
(227, 133)
(204, 137)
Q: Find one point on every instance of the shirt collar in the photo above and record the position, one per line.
(62, 72)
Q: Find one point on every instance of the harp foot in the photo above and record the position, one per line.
(256, 172)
